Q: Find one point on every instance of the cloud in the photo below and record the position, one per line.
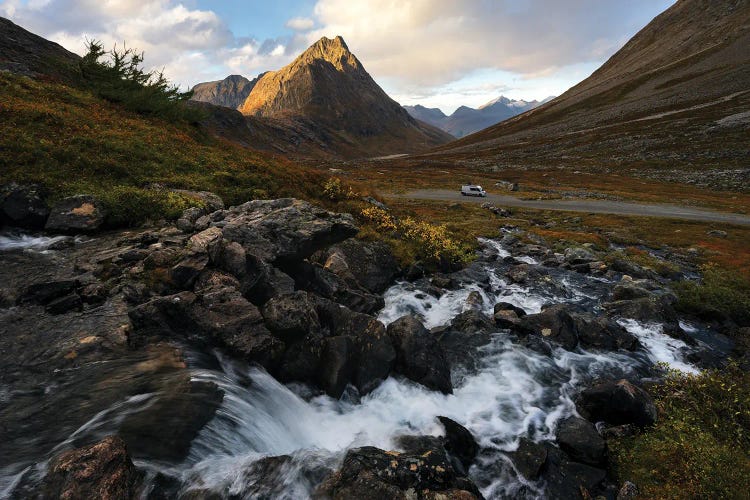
(433, 42)
(300, 23)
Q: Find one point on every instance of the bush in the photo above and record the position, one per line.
(117, 76)
(428, 242)
(334, 190)
(699, 447)
(720, 290)
(129, 206)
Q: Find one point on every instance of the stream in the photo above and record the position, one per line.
(510, 392)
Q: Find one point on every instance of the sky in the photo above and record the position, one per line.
(438, 53)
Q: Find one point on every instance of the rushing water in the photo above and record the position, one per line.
(23, 241)
(513, 392)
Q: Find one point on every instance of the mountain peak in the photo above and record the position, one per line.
(332, 50)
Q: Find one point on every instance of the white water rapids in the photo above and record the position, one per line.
(514, 392)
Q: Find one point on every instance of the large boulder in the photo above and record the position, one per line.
(369, 265)
(338, 365)
(602, 332)
(419, 356)
(102, 470)
(617, 403)
(319, 280)
(286, 230)
(581, 441)
(76, 214)
(371, 473)
(291, 316)
(554, 323)
(23, 206)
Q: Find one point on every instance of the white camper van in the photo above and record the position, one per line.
(472, 190)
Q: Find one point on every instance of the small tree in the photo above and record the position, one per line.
(117, 76)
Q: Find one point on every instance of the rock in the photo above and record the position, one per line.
(617, 403)
(507, 185)
(519, 273)
(368, 265)
(23, 206)
(274, 477)
(186, 222)
(628, 491)
(475, 300)
(565, 479)
(184, 273)
(717, 233)
(316, 279)
(459, 442)
(211, 201)
(94, 293)
(66, 304)
(77, 214)
(472, 322)
(46, 292)
(554, 323)
(165, 429)
(650, 309)
(444, 282)
(507, 319)
(419, 356)
(370, 473)
(602, 333)
(103, 470)
(201, 242)
(629, 291)
(529, 459)
(581, 441)
(578, 255)
(291, 316)
(507, 306)
(414, 272)
(285, 231)
(337, 365)
(374, 202)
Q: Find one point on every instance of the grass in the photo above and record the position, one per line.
(70, 141)
(720, 290)
(699, 446)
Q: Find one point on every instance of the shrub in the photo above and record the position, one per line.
(699, 447)
(129, 206)
(428, 242)
(720, 290)
(117, 76)
(334, 190)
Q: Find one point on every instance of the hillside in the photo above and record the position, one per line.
(328, 89)
(465, 120)
(676, 92)
(230, 92)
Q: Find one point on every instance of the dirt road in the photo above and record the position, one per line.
(588, 206)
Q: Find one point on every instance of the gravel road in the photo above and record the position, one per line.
(588, 206)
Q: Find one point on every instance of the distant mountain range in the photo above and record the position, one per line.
(324, 100)
(677, 94)
(466, 120)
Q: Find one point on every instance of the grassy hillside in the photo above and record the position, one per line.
(71, 142)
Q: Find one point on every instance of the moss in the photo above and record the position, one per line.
(720, 290)
(699, 446)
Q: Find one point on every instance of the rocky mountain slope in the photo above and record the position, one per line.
(230, 92)
(328, 88)
(466, 120)
(676, 92)
(31, 55)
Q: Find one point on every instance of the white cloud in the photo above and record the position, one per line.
(300, 23)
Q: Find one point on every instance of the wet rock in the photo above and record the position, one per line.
(529, 459)
(519, 273)
(274, 477)
(650, 309)
(337, 365)
(507, 306)
(419, 356)
(602, 333)
(371, 473)
(369, 265)
(581, 441)
(537, 344)
(459, 442)
(554, 323)
(291, 316)
(617, 403)
(629, 291)
(472, 322)
(567, 479)
(444, 282)
(414, 272)
(165, 429)
(285, 230)
(23, 206)
(77, 214)
(103, 470)
(475, 300)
